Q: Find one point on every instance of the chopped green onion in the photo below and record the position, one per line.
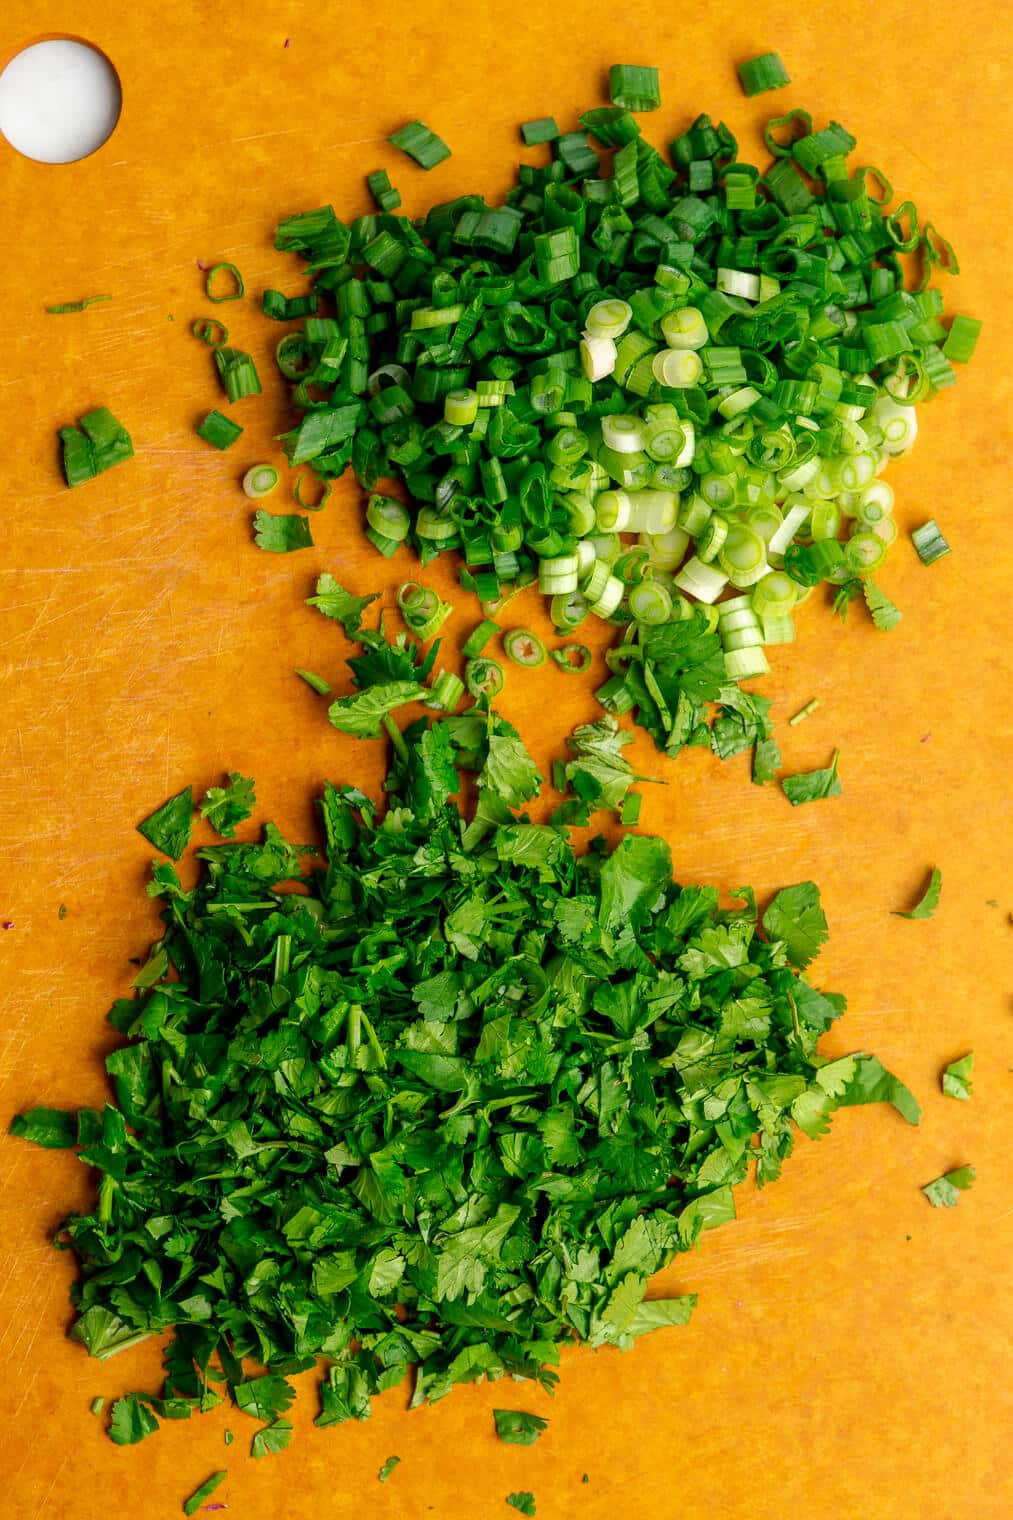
(523, 647)
(96, 445)
(765, 72)
(237, 372)
(315, 682)
(389, 517)
(479, 638)
(634, 87)
(543, 129)
(210, 331)
(68, 306)
(962, 339)
(447, 689)
(804, 712)
(218, 430)
(383, 192)
(234, 287)
(650, 602)
(483, 678)
(423, 612)
(421, 144)
(929, 542)
(260, 480)
(326, 487)
(574, 658)
(288, 308)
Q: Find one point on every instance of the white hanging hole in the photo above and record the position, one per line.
(60, 101)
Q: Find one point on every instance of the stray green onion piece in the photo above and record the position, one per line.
(228, 275)
(765, 72)
(385, 197)
(237, 372)
(542, 130)
(929, 542)
(421, 144)
(260, 480)
(207, 1488)
(962, 339)
(288, 308)
(573, 658)
(210, 331)
(483, 678)
(98, 1404)
(804, 712)
(326, 487)
(218, 430)
(66, 306)
(314, 682)
(478, 638)
(97, 444)
(634, 87)
(524, 647)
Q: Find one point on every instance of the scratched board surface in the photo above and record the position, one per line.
(849, 1356)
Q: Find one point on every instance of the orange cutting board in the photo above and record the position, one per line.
(849, 1357)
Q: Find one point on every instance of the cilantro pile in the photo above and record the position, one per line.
(436, 1101)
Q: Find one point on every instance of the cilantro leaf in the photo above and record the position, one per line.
(225, 806)
(884, 614)
(207, 1488)
(265, 1398)
(658, 1313)
(523, 1500)
(631, 880)
(929, 900)
(957, 1078)
(944, 1192)
(362, 714)
(810, 786)
(168, 827)
(518, 1428)
(54, 1128)
(766, 760)
(599, 772)
(796, 917)
(387, 1468)
(509, 770)
(872, 1083)
(281, 533)
(343, 606)
(131, 1421)
(272, 1439)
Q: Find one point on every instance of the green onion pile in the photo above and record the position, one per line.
(666, 388)
(439, 1104)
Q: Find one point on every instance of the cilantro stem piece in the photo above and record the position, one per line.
(259, 481)
(226, 275)
(929, 900)
(387, 1468)
(207, 1488)
(97, 1405)
(315, 682)
(804, 712)
(68, 306)
(765, 72)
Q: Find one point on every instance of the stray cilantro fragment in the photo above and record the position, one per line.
(97, 1405)
(766, 760)
(63, 911)
(517, 1428)
(343, 606)
(53, 1128)
(168, 827)
(929, 900)
(207, 1488)
(229, 1438)
(811, 786)
(433, 1104)
(281, 533)
(599, 774)
(387, 1468)
(225, 806)
(523, 1500)
(314, 682)
(957, 1078)
(272, 1439)
(945, 1191)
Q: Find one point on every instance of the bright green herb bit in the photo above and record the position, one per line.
(929, 900)
(523, 1500)
(281, 533)
(225, 806)
(811, 786)
(96, 444)
(223, 282)
(219, 430)
(314, 682)
(62, 911)
(229, 1437)
(387, 1468)
(207, 1488)
(634, 87)
(945, 1191)
(796, 918)
(541, 130)
(168, 827)
(766, 760)
(237, 372)
(765, 72)
(957, 1078)
(131, 1421)
(53, 1128)
(518, 1428)
(97, 1405)
(272, 1439)
(421, 144)
(804, 712)
(68, 306)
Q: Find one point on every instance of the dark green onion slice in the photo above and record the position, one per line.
(218, 430)
(68, 306)
(325, 489)
(421, 144)
(573, 658)
(230, 273)
(210, 331)
(765, 72)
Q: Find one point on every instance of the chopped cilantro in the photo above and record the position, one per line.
(929, 900)
(225, 806)
(387, 1468)
(341, 605)
(957, 1078)
(523, 1500)
(517, 1428)
(168, 827)
(810, 786)
(795, 916)
(281, 533)
(131, 1421)
(945, 1191)
(53, 1128)
(272, 1439)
